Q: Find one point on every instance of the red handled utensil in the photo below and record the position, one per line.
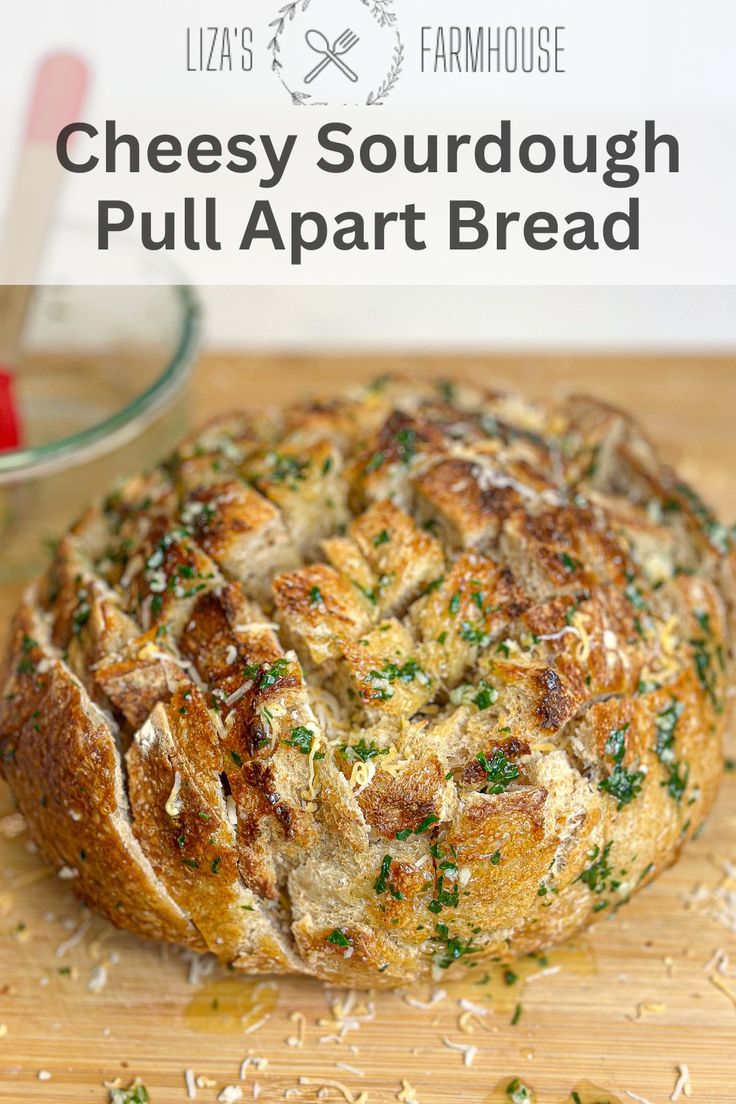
(58, 93)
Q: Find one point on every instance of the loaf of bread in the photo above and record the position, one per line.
(377, 687)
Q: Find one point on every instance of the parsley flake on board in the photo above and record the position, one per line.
(136, 1093)
(516, 1091)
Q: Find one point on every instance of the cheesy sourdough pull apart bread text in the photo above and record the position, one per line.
(377, 687)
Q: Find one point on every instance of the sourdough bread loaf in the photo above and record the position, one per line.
(377, 687)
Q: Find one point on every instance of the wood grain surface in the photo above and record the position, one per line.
(643, 995)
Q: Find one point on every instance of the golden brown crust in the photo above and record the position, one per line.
(403, 681)
(60, 758)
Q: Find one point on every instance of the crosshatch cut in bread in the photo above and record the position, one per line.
(377, 687)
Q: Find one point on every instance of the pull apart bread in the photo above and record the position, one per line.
(377, 687)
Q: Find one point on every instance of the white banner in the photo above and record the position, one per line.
(372, 142)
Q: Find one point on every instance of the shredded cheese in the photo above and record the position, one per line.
(236, 695)
(467, 1050)
(299, 1019)
(408, 1093)
(230, 1094)
(723, 986)
(362, 775)
(344, 1091)
(173, 802)
(437, 996)
(682, 1085)
(578, 621)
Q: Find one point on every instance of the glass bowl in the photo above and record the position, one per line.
(101, 389)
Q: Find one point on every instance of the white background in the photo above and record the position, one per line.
(670, 60)
(623, 56)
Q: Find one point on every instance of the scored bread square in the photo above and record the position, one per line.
(378, 687)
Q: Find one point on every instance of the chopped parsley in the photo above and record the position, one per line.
(315, 597)
(516, 1090)
(381, 538)
(452, 948)
(677, 773)
(383, 882)
(406, 440)
(597, 875)
(420, 828)
(338, 938)
(26, 665)
(302, 739)
(704, 656)
(622, 784)
(136, 1093)
(81, 614)
(475, 633)
(375, 462)
(370, 595)
(569, 562)
(717, 534)
(500, 771)
(276, 671)
(634, 595)
(362, 751)
(446, 888)
(486, 696)
(391, 672)
(287, 469)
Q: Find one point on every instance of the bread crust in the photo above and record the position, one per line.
(377, 688)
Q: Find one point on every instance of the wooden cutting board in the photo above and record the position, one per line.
(639, 996)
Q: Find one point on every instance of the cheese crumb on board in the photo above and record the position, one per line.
(683, 1083)
(344, 1091)
(407, 1095)
(230, 1094)
(467, 1050)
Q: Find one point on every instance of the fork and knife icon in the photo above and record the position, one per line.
(331, 54)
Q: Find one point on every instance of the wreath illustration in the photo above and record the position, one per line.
(381, 11)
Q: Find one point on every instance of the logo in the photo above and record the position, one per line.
(347, 53)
